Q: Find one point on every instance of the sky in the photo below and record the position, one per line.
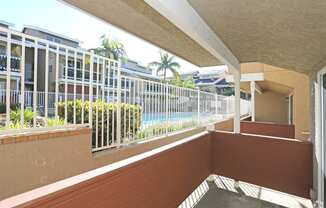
(58, 17)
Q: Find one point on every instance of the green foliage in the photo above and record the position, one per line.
(188, 83)
(3, 107)
(55, 122)
(160, 129)
(130, 118)
(166, 63)
(28, 116)
(111, 48)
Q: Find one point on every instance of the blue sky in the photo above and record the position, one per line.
(58, 17)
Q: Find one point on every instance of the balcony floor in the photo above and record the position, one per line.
(225, 193)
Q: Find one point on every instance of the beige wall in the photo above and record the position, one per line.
(301, 95)
(271, 107)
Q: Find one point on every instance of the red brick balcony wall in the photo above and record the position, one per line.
(281, 164)
(268, 129)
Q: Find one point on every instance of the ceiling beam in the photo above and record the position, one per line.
(183, 16)
(258, 88)
(247, 77)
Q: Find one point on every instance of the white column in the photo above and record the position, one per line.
(252, 103)
(236, 125)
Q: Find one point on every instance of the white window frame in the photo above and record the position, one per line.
(320, 136)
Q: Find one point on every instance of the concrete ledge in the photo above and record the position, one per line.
(268, 129)
(43, 134)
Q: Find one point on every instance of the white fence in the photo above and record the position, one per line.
(122, 109)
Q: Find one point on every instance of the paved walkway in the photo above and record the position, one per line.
(221, 192)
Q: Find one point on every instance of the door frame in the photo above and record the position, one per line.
(320, 137)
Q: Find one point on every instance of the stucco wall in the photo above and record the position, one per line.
(301, 93)
(36, 159)
(271, 107)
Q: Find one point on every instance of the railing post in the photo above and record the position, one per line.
(252, 103)
(119, 105)
(166, 109)
(216, 106)
(198, 106)
(35, 102)
(8, 68)
(22, 84)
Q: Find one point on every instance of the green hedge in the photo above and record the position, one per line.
(111, 108)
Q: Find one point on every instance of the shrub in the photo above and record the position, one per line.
(12, 107)
(28, 116)
(110, 134)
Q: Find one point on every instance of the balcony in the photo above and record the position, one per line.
(163, 173)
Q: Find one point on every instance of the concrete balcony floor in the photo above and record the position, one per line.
(221, 192)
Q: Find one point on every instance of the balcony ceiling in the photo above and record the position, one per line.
(288, 34)
(138, 18)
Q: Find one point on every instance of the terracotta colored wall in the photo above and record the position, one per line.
(167, 178)
(27, 163)
(226, 125)
(280, 164)
(268, 129)
(161, 181)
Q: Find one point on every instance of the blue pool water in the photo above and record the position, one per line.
(155, 118)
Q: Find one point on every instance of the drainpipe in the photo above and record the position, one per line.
(236, 124)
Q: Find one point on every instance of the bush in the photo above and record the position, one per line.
(28, 116)
(12, 107)
(108, 121)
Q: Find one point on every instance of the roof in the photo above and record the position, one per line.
(135, 66)
(8, 24)
(212, 81)
(51, 33)
(139, 74)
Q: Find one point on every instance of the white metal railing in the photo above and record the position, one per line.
(120, 109)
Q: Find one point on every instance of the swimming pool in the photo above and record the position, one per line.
(156, 118)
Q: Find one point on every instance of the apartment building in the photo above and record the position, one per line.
(75, 62)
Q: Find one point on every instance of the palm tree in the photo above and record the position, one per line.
(167, 63)
(111, 48)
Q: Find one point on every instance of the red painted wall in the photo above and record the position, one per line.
(280, 164)
(161, 181)
(268, 129)
(166, 179)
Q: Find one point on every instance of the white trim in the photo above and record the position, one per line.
(248, 77)
(320, 137)
(181, 14)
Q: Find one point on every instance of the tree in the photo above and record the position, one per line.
(111, 48)
(166, 63)
(187, 83)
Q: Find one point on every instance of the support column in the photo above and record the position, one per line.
(236, 124)
(253, 100)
